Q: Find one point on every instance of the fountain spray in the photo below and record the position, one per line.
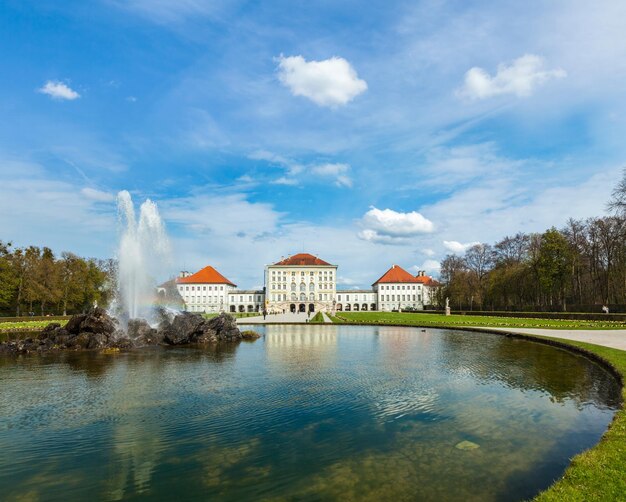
(143, 251)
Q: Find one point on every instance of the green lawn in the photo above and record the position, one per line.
(317, 318)
(468, 321)
(597, 474)
(28, 325)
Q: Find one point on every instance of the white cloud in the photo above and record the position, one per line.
(332, 82)
(337, 171)
(284, 180)
(295, 172)
(50, 212)
(458, 247)
(171, 11)
(97, 195)
(428, 252)
(431, 266)
(58, 90)
(520, 78)
(391, 227)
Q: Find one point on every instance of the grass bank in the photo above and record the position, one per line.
(597, 474)
(29, 325)
(440, 320)
(317, 319)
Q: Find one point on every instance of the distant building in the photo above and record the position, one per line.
(205, 291)
(304, 283)
(397, 289)
(300, 283)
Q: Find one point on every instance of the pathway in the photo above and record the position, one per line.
(287, 318)
(614, 338)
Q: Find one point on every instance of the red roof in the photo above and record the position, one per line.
(303, 259)
(397, 274)
(426, 279)
(208, 275)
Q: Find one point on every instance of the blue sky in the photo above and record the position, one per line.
(367, 133)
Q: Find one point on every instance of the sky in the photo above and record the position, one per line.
(366, 133)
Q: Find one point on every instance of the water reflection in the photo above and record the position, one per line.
(308, 412)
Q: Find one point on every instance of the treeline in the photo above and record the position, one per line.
(34, 280)
(579, 267)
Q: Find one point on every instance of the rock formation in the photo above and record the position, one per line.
(98, 330)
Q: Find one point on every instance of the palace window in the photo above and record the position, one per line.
(302, 286)
(311, 287)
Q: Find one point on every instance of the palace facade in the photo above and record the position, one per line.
(304, 283)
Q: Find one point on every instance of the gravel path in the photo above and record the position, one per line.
(615, 338)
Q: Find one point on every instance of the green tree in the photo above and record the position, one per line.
(554, 265)
(8, 280)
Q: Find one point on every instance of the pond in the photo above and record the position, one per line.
(304, 413)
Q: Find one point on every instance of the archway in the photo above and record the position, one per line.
(373, 306)
(233, 309)
(292, 308)
(356, 307)
(364, 306)
(348, 307)
(250, 308)
(302, 307)
(311, 307)
(242, 308)
(339, 307)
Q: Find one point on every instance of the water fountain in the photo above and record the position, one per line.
(143, 251)
(135, 318)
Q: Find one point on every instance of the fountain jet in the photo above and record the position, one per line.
(143, 250)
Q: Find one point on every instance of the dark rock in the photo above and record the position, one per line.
(98, 321)
(59, 334)
(185, 328)
(250, 335)
(79, 341)
(50, 328)
(141, 333)
(73, 325)
(97, 341)
(208, 335)
(98, 330)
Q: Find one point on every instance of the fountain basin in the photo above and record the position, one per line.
(306, 412)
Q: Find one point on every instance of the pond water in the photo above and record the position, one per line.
(304, 413)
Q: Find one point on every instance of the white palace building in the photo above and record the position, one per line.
(304, 283)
